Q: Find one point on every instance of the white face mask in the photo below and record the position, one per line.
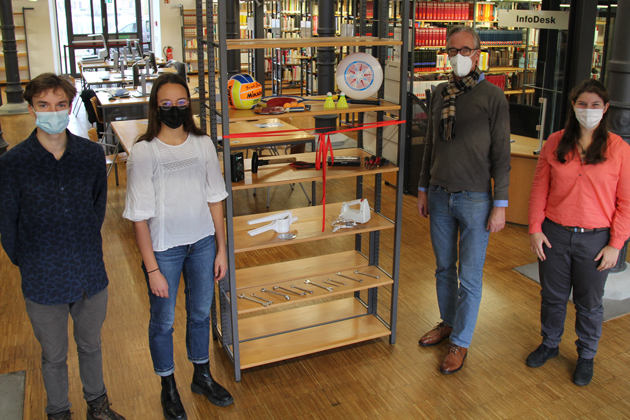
(589, 118)
(461, 65)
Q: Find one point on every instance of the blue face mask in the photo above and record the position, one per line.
(52, 122)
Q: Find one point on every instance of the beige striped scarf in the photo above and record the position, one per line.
(450, 93)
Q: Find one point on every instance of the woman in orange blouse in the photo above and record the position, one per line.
(579, 218)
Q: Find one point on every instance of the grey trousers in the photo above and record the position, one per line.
(50, 324)
(570, 264)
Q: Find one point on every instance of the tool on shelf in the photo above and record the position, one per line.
(338, 282)
(242, 296)
(332, 284)
(280, 222)
(262, 298)
(346, 277)
(321, 287)
(257, 162)
(304, 290)
(288, 291)
(275, 293)
(374, 162)
(366, 274)
(358, 215)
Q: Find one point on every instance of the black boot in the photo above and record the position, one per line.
(203, 384)
(172, 406)
(65, 415)
(99, 409)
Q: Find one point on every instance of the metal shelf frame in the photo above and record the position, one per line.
(227, 331)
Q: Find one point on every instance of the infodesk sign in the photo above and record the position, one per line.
(539, 19)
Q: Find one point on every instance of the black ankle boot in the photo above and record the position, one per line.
(203, 384)
(172, 406)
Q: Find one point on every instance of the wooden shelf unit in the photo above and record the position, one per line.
(254, 335)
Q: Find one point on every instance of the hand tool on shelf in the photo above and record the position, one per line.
(346, 277)
(366, 274)
(257, 162)
(332, 284)
(338, 282)
(280, 222)
(321, 287)
(288, 291)
(275, 293)
(242, 296)
(262, 298)
(304, 290)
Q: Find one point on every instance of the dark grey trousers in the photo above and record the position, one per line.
(569, 265)
(50, 324)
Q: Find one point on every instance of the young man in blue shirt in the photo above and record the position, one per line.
(53, 193)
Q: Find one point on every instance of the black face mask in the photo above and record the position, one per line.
(174, 117)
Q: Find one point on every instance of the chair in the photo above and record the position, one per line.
(110, 159)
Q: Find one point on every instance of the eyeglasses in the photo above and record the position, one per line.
(466, 52)
(181, 104)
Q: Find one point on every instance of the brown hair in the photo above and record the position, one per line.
(596, 152)
(155, 124)
(48, 81)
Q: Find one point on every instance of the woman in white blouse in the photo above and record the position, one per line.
(174, 199)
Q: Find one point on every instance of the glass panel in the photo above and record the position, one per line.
(98, 21)
(127, 17)
(146, 23)
(81, 17)
(111, 16)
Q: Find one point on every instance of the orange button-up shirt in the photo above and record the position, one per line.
(578, 195)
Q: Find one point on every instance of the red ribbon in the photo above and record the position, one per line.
(323, 146)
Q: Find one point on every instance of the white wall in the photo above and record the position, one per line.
(42, 47)
(170, 26)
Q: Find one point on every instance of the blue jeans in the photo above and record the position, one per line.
(465, 213)
(196, 263)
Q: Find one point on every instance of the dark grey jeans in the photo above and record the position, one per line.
(50, 324)
(570, 264)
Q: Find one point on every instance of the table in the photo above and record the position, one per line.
(92, 78)
(134, 108)
(521, 177)
(128, 131)
(107, 65)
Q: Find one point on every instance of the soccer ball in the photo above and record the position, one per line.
(243, 91)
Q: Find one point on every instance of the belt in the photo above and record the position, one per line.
(578, 229)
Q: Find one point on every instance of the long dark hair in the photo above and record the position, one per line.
(568, 146)
(154, 125)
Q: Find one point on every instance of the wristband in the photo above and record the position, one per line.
(153, 271)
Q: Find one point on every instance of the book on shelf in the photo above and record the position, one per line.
(431, 10)
(430, 37)
(500, 37)
(486, 12)
(497, 80)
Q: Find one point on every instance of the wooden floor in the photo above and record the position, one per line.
(372, 380)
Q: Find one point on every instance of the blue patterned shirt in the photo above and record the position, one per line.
(51, 213)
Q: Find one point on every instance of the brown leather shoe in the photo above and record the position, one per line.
(436, 335)
(454, 360)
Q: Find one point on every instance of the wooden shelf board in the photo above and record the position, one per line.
(20, 54)
(281, 174)
(358, 41)
(265, 275)
(307, 341)
(517, 91)
(317, 108)
(307, 228)
(247, 306)
(495, 69)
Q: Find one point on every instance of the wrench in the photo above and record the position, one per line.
(288, 291)
(275, 293)
(258, 297)
(366, 274)
(304, 290)
(321, 287)
(332, 284)
(335, 281)
(341, 275)
(242, 296)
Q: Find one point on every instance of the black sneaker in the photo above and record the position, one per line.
(66, 415)
(583, 372)
(540, 356)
